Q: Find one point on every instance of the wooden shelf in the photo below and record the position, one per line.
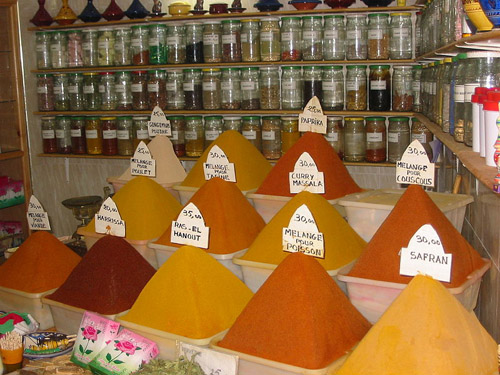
(231, 112)
(11, 155)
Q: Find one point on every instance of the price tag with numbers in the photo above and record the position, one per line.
(159, 125)
(38, 219)
(305, 176)
(425, 254)
(108, 219)
(312, 118)
(218, 165)
(189, 228)
(415, 167)
(142, 164)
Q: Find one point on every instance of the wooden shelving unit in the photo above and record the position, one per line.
(232, 112)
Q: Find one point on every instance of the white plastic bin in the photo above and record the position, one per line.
(118, 184)
(367, 210)
(187, 192)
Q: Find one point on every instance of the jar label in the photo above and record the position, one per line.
(88, 89)
(211, 135)
(393, 137)
(119, 89)
(55, 47)
(288, 85)
(374, 137)
(376, 34)
(136, 87)
(191, 135)
(227, 86)
(211, 39)
(76, 133)
(154, 42)
(249, 134)
(310, 35)
(353, 85)
(244, 38)
(353, 34)
(329, 86)
(188, 86)
(58, 90)
(103, 44)
(171, 86)
(123, 135)
(268, 135)
(286, 36)
(266, 36)
(469, 91)
(229, 39)
(415, 86)
(102, 89)
(401, 32)
(87, 46)
(247, 86)
(378, 85)
(135, 43)
(73, 89)
(91, 133)
(209, 86)
(332, 137)
(142, 134)
(331, 34)
(420, 137)
(459, 93)
(153, 87)
(40, 47)
(48, 134)
(175, 135)
(42, 90)
(174, 40)
(109, 134)
(120, 46)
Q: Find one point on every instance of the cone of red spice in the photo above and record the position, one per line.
(338, 181)
(299, 317)
(380, 260)
(108, 279)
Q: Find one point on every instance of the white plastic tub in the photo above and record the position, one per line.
(255, 273)
(372, 297)
(187, 192)
(269, 205)
(141, 246)
(367, 210)
(118, 184)
(16, 300)
(163, 252)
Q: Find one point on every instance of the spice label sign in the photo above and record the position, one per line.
(159, 125)
(108, 220)
(306, 177)
(425, 254)
(210, 361)
(218, 165)
(415, 167)
(312, 118)
(38, 219)
(189, 228)
(142, 164)
(302, 234)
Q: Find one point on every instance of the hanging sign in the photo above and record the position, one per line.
(302, 234)
(218, 165)
(415, 167)
(425, 254)
(142, 164)
(159, 125)
(312, 118)
(189, 228)
(210, 361)
(305, 176)
(108, 219)
(37, 217)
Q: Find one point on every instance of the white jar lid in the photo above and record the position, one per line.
(479, 54)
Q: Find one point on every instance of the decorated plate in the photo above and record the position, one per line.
(40, 345)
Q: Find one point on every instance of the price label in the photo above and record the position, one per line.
(159, 125)
(108, 219)
(142, 164)
(312, 118)
(37, 217)
(415, 167)
(302, 234)
(306, 177)
(210, 361)
(189, 228)
(425, 254)
(218, 165)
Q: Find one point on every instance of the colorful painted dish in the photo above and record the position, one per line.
(41, 345)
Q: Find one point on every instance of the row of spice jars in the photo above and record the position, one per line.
(378, 36)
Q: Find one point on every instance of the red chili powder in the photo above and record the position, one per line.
(40, 264)
(108, 279)
(380, 260)
(338, 181)
(299, 316)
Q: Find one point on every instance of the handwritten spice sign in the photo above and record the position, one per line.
(159, 125)
(218, 165)
(108, 219)
(142, 164)
(189, 228)
(312, 118)
(306, 177)
(414, 167)
(38, 219)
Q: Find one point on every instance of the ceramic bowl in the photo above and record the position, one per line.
(339, 3)
(178, 9)
(304, 4)
(218, 8)
(377, 3)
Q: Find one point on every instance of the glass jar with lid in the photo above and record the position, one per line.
(335, 134)
(139, 44)
(457, 121)
(271, 137)
(89, 45)
(59, 49)
(250, 129)
(250, 88)
(109, 136)
(194, 136)
(140, 129)
(158, 44)
(398, 138)
(313, 85)
(42, 47)
(212, 98)
(75, 52)
(193, 93)
(123, 91)
(376, 148)
(356, 37)
(402, 93)
(157, 89)
(250, 40)
(194, 42)
(415, 87)
(291, 87)
(232, 123)
(400, 40)
(93, 135)
(289, 132)
(231, 40)
(420, 132)
(75, 91)
(123, 53)
(175, 89)
(45, 92)
(291, 39)
(213, 128)
(78, 142)
(176, 44)
(125, 135)
(63, 134)
(333, 88)
(312, 38)
(49, 143)
(106, 47)
(356, 88)
(334, 34)
(61, 94)
(139, 89)
(270, 46)
(178, 126)
(107, 91)
(354, 139)
(380, 88)
(91, 97)
(378, 36)
(269, 88)
(230, 88)
(212, 42)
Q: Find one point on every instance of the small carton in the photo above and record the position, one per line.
(124, 355)
(94, 334)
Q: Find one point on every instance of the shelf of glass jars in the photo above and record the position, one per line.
(230, 15)
(9, 155)
(221, 112)
(470, 159)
